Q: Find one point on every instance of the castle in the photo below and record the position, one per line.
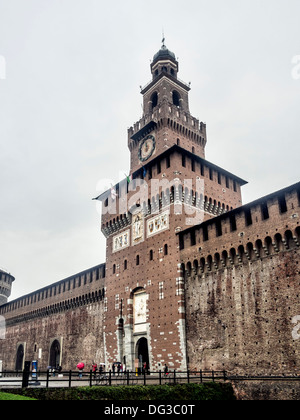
(193, 278)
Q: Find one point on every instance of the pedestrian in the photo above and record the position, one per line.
(80, 368)
(94, 369)
(166, 370)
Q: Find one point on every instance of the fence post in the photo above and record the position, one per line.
(25, 378)
(201, 378)
(91, 377)
(144, 377)
(160, 377)
(47, 378)
(109, 378)
(224, 375)
(70, 378)
(188, 376)
(128, 382)
(213, 375)
(174, 377)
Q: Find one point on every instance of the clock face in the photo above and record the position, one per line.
(147, 148)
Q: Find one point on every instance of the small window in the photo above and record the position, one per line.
(114, 269)
(233, 227)
(193, 238)
(125, 265)
(183, 161)
(151, 255)
(264, 211)
(137, 260)
(282, 204)
(158, 167)
(248, 217)
(234, 186)
(218, 228)
(193, 165)
(205, 233)
(166, 249)
(168, 163)
(181, 242)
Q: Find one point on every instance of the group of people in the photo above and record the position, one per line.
(54, 370)
(117, 368)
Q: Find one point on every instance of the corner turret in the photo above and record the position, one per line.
(6, 281)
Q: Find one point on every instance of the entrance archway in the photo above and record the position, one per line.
(20, 357)
(55, 354)
(142, 354)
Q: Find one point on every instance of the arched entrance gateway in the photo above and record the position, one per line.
(142, 354)
(54, 359)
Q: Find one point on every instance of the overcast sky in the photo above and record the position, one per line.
(73, 71)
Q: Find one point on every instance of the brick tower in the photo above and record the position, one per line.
(171, 186)
(6, 281)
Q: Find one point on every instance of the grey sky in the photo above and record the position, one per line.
(73, 71)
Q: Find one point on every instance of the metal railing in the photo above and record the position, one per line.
(50, 379)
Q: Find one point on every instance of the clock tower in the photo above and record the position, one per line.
(166, 117)
(171, 187)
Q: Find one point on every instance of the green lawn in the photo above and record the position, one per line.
(12, 397)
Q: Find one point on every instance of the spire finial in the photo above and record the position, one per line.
(163, 40)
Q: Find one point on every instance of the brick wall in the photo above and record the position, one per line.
(242, 288)
(70, 311)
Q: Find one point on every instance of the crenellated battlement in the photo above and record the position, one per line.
(80, 289)
(259, 229)
(166, 114)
